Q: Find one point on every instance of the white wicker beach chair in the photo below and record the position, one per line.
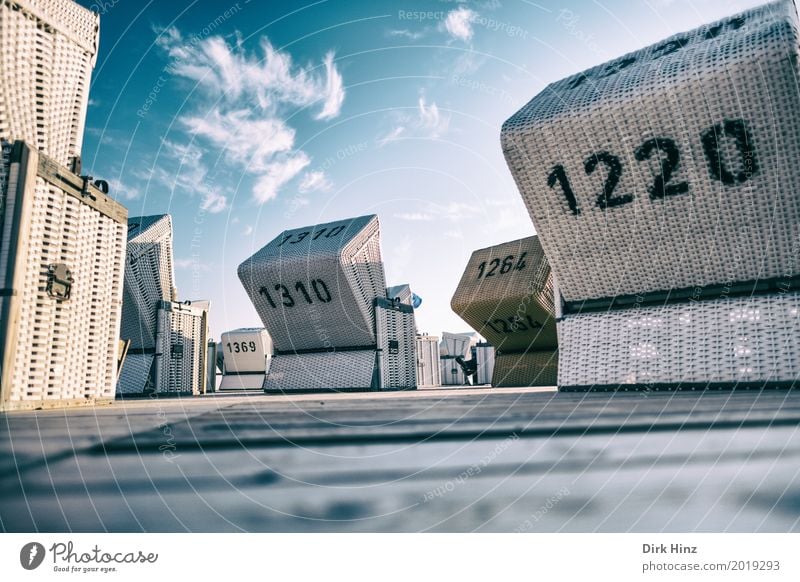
(247, 354)
(320, 292)
(663, 186)
(506, 294)
(62, 247)
(428, 367)
(181, 358)
(149, 279)
(48, 52)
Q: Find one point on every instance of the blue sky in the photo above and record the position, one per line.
(247, 118)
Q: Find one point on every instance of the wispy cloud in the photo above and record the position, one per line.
(315, 181)
(393, 135)
(190, 175)
(405, 33)
(458, 23)
(451, 212)
(278, 173)
(193, 264)
(431, 122)
(248, 230)
(425, 122)
(122, 191)
(414, 216)
(334, 90)
(243, 105)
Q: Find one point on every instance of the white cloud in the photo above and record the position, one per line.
(214, 202)
(393, 135)
(414, 216)
(248, 230)
(119, 190)
(430, 121)
(458, 23)
(193, 264)
(315, 181)
(455, 211)
(405, 33)
(245, 99)
(426, 122)
(249, 142)
(191, 175)
(277, 174)
(334, 90)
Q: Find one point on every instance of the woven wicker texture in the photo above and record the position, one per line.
(450, 372)
(457, 344)
(401, 292)
(246, 350)
(48, 53)
(748, 339)
(135, 373)
(181, 348)
(321, 372)
(58, 343)
(673, 166)
(242, 382)
(539, 368)
(484, 356)
(314, 287)
(428, 369)
(149, 277)
(506, 295)
(397, 343)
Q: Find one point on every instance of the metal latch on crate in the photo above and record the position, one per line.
(59, 282)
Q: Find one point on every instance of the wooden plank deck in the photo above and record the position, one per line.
(432, 460)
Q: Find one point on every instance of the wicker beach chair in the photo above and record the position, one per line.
(247, 354)
(149, 280)
(663, 186)
(321, 294)
(62, 247)
(506, 295)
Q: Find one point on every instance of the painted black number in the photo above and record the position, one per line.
(300, 238)
(506, 265)
(615, 68)
(670, 159)
(559, 175)
(288, 301)
(321, 290)
(670, 47)
(533, 323)
(334, 231)
(263, 291)
(252, 346)
(605, 198)
(516, 323)
(302, 289)
(503, 325)
(736, 129)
